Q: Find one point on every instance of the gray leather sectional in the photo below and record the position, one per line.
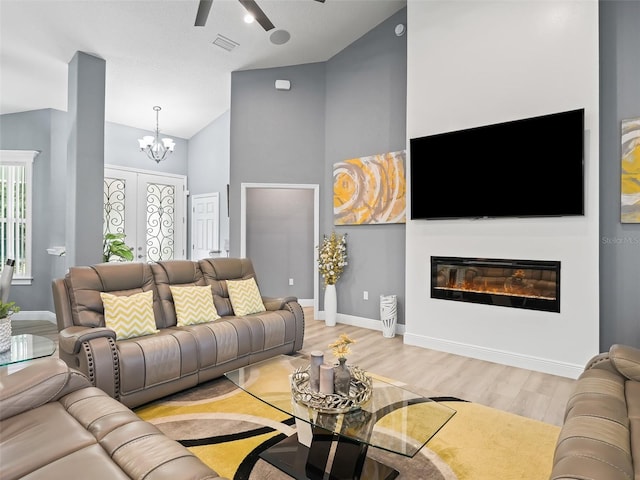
(139, 370)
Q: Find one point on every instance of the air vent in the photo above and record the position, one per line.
(225, 43)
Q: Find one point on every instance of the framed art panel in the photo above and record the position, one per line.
(370, 190)
(630, 171)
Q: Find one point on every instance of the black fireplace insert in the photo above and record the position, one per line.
(530, 284)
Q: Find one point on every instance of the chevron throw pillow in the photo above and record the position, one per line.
(194, 305)
(245, 297)
(130, 316)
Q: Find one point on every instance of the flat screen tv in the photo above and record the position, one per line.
(533, 167)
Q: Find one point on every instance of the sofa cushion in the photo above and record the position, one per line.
(193, 305)
(177, 273)
(245, 297)
(129, 316)
(84, 285)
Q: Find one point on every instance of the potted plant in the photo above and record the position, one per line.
(6, 310)
(114, 247)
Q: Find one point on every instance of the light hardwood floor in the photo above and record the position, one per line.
(428, 372)
(432, 373)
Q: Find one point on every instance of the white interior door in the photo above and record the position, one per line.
(150, 209)
(205, 226)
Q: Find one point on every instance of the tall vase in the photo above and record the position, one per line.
(330, 306)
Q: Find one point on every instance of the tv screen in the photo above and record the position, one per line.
(531, 167)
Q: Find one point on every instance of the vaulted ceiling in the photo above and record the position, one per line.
(156, 56)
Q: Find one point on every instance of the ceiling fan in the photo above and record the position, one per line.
(250, 5)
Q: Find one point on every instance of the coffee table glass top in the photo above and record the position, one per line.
(27, 347)
(394, 419)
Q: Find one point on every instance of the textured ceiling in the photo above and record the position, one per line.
(155, 56)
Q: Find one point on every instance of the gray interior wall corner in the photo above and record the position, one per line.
(208, 168)
(366, 115)
(276, 136)
(85, 159)
(620, 243)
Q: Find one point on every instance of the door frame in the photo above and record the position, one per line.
(184, 209)
(316, 223)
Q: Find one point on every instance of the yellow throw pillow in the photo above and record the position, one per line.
(130, 316)
(194, 305)
(245, 297)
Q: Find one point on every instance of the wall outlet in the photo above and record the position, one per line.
(365, 295)
(291, 281)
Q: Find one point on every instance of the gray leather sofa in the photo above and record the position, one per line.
(600, 437)
(142, 369)
(55, 425)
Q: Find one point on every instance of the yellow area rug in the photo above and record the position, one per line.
(228, 428)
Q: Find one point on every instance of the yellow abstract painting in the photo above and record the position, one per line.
(370, 190)
(630, 171)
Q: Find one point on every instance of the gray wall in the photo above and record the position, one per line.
(286, 251)
(350, 106)
(276, 137)
(208, 167)
(619, 243)
(32, 131)
(366, 114)
(121, 148)
(47, 131)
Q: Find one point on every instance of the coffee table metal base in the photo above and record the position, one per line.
(350, 460)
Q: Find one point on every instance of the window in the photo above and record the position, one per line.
(15, 211)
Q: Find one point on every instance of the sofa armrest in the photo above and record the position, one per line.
(42, 381)
(70, 339)
(626, 359)
(277, 303)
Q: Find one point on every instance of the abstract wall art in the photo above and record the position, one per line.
(370, 190)
(630, 171)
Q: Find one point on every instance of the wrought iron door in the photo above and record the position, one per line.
(149, 209)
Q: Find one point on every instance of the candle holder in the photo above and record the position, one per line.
(360, 390)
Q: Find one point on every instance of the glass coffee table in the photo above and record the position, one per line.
(27, 347)
(334, 445)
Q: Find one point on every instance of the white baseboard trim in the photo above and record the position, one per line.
(34, 315)
(528, 362)
(361, 322)
(305, 302)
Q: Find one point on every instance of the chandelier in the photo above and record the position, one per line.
(156, 150)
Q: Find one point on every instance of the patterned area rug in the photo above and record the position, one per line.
(228, 428)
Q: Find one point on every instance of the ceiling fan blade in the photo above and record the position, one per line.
(203, 12)
(321, 1)
(252, 7)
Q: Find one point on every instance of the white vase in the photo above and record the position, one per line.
(388, 315)
(330, 305)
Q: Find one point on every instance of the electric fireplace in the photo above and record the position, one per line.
(530, 284)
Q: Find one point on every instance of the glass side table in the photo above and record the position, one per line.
(26, 347)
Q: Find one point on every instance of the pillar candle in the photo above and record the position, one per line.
(326, 378)
(317, 359)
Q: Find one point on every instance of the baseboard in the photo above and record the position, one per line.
(305, 302)
(34, 315)
(528, 362)
(361, 322)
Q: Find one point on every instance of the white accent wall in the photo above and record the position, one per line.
(474, 63)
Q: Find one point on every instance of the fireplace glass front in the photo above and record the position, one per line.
(530, 284)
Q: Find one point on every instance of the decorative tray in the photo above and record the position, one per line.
(359, 392)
